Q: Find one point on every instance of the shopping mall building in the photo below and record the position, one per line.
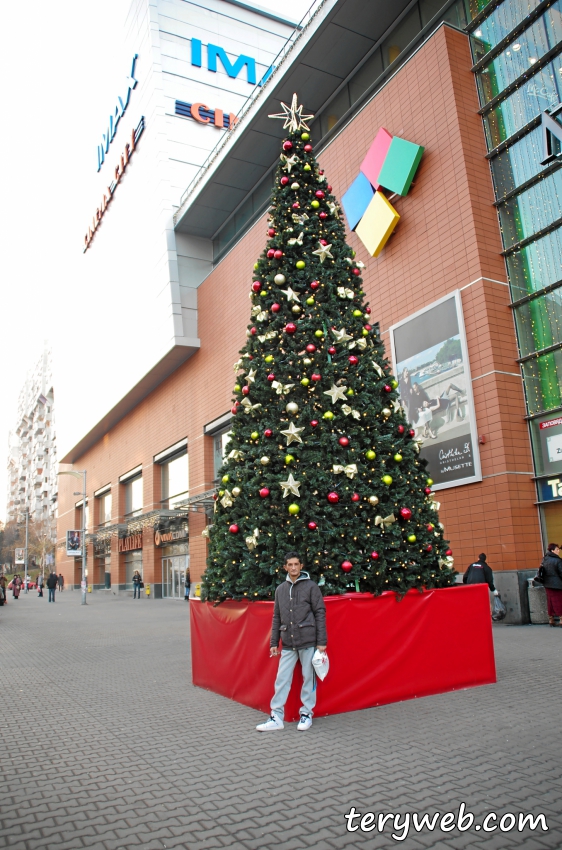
(464, 287)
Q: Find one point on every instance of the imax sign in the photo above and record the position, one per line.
(217, 54)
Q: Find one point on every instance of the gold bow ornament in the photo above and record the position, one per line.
(344, 292)
(252, 540)
(350, 470)
(385, 521)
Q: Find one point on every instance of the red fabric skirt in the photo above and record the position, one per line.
(554, 602)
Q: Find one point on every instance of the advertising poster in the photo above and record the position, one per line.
(74, 543)
(20, 556)
(431, 365)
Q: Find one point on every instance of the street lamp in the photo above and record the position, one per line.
(82, 475)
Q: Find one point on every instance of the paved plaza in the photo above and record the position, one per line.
(107, 745)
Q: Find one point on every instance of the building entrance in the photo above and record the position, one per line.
(173, 576)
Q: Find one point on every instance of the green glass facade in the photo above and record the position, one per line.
(517, 51)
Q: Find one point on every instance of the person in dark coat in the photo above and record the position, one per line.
(299, 620)
(479, 572)
(551, 573)
(52, 582)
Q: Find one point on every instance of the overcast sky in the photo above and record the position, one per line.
(60, 65)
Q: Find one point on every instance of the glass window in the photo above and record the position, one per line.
(220, 444)
(428, 9)
(536, 266)
(539, 322)
(334, 111)
(541, 92)
(133, 497)
(520, 162)
(366, 76)
(133, 561)
(501, 21)
(543, 381)
(175, 481)
(521, 54)
(104, 509)
(401, 36)
(525, 214)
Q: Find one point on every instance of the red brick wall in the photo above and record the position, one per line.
(448, 238)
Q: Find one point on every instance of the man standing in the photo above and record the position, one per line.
(52, 586)
(60, 581)
(299, 617)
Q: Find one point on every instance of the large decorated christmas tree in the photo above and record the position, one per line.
(321, 458)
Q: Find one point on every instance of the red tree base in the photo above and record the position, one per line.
(381, 650)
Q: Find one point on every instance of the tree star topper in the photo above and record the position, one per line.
(292, 434)
(290, 486)
(293, 117)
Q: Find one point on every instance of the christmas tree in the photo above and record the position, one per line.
(321, 458)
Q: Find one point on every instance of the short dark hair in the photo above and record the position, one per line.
(553, 546)
(482, 556)
(292, 554)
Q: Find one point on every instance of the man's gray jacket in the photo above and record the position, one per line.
(299, 615)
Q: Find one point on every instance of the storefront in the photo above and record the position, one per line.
(172, 544)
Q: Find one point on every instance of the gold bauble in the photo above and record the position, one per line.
(236, 491)
(292, 407)
(373, 500)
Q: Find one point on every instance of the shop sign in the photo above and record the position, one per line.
(161, 538)
(390, 163)
(201, 113)
(550, 489)
(118, 174)
(133, 541)
(214, 53)
(116, 115)
(550, 128)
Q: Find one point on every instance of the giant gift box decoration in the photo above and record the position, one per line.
(381, 649)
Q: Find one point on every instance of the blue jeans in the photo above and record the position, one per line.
(51, 594)
(287, 664)
(136, 589)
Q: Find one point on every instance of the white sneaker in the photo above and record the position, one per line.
(304, 723)
(270, 725)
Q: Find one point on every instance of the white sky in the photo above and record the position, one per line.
(61, 66)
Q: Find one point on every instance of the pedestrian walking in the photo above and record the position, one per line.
(40, 584)
(299, 619)
(187, 585)
(480, 572)
(16, 586)
(551, 575)
(137, 584)
(52, 582)
(60, 582)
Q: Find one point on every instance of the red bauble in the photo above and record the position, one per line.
(268, 432)
(401, 429)
(430, 526)
(264, 492)
(333, 498)
(256, 286)
(284, 180)
(316, 376)
(319, 193)
(411, 432)
(308, 148)
(234, 410)
(367, 310)
(353, 360)
(368, 327)
(271, 377)
(355, 272)
(275, 307)
(246, 390)
(355, 497)
(253, 331)
(311, 348)
(312, 525)
(449, 552)
(427, 490)
(270, 254)
(314, 284)
(375, 556)
(405, 513)
(331, 350)
(387, 388)
(322, 215)
(215, 497)
(429, 547)
(271, 231)
(320, 171)
(287, 145)
(323, 241)
(296, 205)
(278, 254)
(343, 441)
(313, 423)
(233, 528)
(346, 566)
(290, 328)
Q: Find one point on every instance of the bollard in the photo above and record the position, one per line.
(89, 588)
(147, 590)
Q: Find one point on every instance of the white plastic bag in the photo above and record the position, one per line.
(321, 664)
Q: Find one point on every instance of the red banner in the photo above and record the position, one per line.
(381, 649)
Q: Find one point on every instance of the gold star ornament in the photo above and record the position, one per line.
(336, 393)
(292, 434)
(292, 116)
(322, 252)
(290, 486)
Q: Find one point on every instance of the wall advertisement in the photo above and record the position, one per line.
(430, 361)
(74, 544)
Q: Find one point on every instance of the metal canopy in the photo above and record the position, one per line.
(330, 54)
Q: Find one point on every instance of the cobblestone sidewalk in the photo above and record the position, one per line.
(108, 746)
